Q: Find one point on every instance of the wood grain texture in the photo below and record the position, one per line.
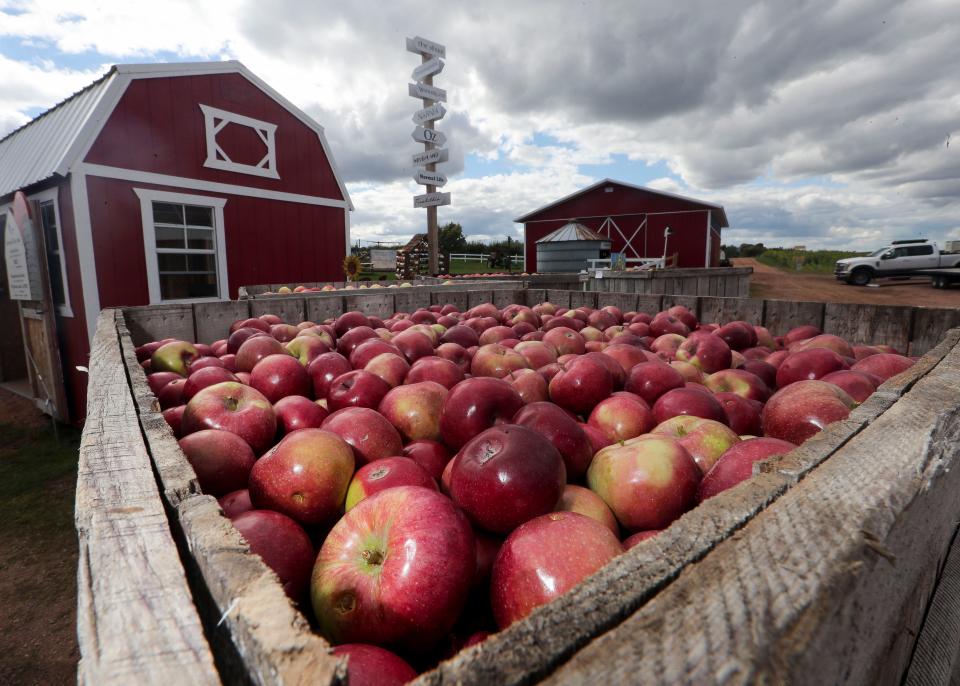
(823, 588)
(560, 298)
(724, 310)
(291, 309)
(508, 296)
(929, 327)
(583, 299)
(650, 304)
(212, 320)
(156, 322)
(379, 304)
(479, 296)
(409, 300)
(625, 302)
(320, 309)
(456, 298)
(691, 302)
(782, 315)
(870, 324)
(136, 622)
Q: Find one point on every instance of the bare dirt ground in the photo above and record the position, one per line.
(38, 548)
(771, 283)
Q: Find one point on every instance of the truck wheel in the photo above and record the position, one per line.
(938, 282)
(860, 277)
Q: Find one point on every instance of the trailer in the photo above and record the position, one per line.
(942, 278)
(834, 564)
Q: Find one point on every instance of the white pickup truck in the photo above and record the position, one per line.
(900, 258)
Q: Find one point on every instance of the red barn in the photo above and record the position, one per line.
(635, 219)
(166, 183)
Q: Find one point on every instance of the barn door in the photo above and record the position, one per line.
(29, 284)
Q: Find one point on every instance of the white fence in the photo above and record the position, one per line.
(474, 257)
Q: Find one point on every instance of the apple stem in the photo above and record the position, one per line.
(372, 557)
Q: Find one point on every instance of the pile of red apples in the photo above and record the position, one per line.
(422, 481)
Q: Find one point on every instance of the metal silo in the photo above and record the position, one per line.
(568, 248)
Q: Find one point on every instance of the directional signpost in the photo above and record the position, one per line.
(432, 55)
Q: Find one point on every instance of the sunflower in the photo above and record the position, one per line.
(351, 267)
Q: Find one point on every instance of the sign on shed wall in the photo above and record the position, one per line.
(21, 252)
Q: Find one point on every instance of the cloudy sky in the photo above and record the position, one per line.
(829, 124)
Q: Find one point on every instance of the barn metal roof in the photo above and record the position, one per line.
(37, 149)
(721, 219)
(572, 232)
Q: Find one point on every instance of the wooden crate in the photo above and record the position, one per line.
(770, 598)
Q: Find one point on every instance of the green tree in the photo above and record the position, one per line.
(451, 238)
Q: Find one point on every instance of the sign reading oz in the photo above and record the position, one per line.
(431, 199)
(429, 136)
(431, 157)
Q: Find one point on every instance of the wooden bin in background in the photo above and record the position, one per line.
(820, 569)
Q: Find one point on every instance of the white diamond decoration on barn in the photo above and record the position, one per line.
(215, 120)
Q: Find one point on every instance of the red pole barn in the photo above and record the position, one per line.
(165, 183)
(634, 219)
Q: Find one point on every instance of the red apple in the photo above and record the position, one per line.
(737, 335)
(801, 333)
(628, 356)
(707, 352)
(650, 380)
(369, 665)
(688, 401)
(622, 416)
(257, 323)
(369, 349)
(284, 332)
(496, 361)
(858, 385)
(277, 376)
(584, 501)
(349, 320)
(158, 380)
(664, 323)
(743, 414)
(530, 384)
(463, 336)
(543, 559)
(736, 464)
(738, 381)
(229, 362)
(563, 431)
(413, 345)
(357, 388)
(387, 472)
(667, 345)
(581, 385)
(203, 377)
(324, 369)
(705, 439)
(647, 481)
(474, 405)
(764, 370)
(565, 341)
(352, 339)
(828, 341)
(395, 570)
(305, 476)
(235, 503)
(283, 546)
(883, 365)
(173, 416)
(233, 407)
(240, 336)
(204, 363)
(297, 412)
(456, 354)
(505, 476)
(174, 356)
(415, 409)
(436, 369)
(255, 349)
(221, 460)
(536, 353)
(368, 432)
(803, 408)
(171, 394)
(813, 363)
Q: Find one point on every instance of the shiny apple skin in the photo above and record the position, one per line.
(543, 559)
(431, 455)
(415, 409)
(368, 432)
(283, 545)
(736, 464)
(584, 501)
(563, 431)
(474, 405)
(233, 407)
(387, 472)
(395, 570)
(369, 665)
(506, 476)
(221, 460)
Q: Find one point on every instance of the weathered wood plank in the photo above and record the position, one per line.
(324, 307)
(479, 296)
(724, 310)
(782, 315)
(291, 309)
(583, 299)
(869, 324)
(458, 299)
(651, 304)
(379, 305)
(508, 296)
(411, 299)
(691, 302)
(212, 320)
(560, 298)
(136, 622)
(156, 322)
(929, 326)
(823, 587)
(534, 296)
(625, 302)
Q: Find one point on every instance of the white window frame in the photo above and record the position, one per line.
(147, 198)
(215, 120)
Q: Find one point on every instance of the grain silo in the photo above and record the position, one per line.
(569, 248)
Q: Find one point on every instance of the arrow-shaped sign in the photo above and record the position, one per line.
(432, 66)
(428, 136)
(423, 46)
(432, 113)
(420, 90)
(431, 157)
(431, 199)
(427, 178)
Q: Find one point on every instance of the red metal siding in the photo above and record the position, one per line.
(158, 127)
(627, 207)
(267, 241)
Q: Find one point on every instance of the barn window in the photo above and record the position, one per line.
(184, 246)
(48, 221)
(262, 160)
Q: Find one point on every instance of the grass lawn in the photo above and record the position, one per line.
(38, 566)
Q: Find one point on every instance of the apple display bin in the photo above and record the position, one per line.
(814, 571)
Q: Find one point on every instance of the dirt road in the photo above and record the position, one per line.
(768, 282)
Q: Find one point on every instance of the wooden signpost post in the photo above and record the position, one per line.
(432, 56)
